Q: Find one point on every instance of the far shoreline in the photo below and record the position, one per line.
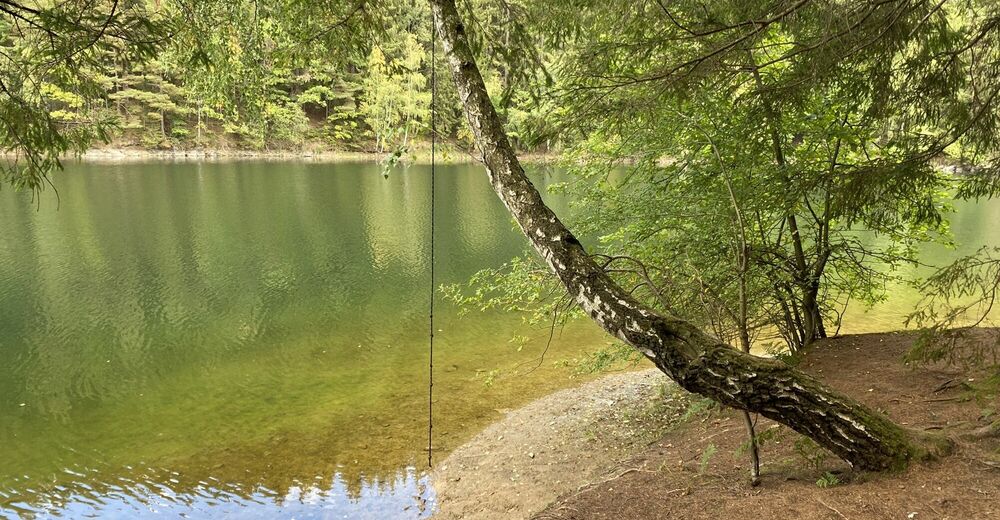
(115, 155)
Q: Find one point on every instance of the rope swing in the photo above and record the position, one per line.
(430, 362)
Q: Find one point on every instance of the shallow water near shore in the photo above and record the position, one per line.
(197, 339)
(249, 338)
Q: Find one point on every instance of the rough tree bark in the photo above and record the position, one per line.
(698, 362)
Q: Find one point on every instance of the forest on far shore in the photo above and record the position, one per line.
(264, 90)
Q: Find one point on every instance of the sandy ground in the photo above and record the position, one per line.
(623, 447)
(698, 471)
(550, 447)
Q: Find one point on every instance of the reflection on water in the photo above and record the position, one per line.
(246, 327)
(162, 493)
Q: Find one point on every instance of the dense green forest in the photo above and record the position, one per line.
(248, 83)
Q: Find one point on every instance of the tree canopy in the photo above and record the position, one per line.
(778, 128)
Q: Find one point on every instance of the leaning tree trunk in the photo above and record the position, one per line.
(698, 362)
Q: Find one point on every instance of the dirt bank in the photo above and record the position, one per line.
(610, 449)
(698, 471)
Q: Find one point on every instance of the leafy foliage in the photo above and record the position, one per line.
(811, 453)
(827, 480)
(50, 58)
(706, 457)
(396, 97)
(957, 298)
(755, 167)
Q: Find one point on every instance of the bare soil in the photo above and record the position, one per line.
(555, 444)
(676, 465)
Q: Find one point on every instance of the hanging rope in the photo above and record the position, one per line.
(430, 363)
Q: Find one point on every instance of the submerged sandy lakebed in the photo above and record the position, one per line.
(550, 447)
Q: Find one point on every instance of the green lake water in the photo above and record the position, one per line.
(249, 339)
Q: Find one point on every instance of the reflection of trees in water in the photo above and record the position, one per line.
(138, 490)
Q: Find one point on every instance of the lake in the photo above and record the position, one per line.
(196, 338)
(249, 338)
